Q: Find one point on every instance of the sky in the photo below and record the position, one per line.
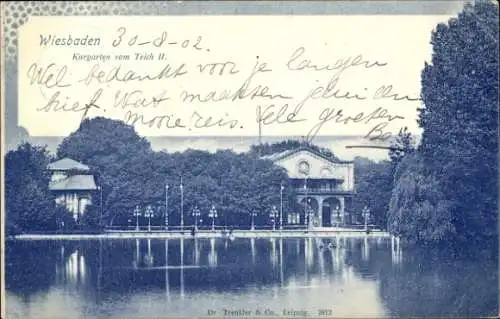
(398, 41)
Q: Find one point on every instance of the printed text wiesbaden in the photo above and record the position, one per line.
(69, 40)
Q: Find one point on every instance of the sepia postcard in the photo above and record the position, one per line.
(249, 159)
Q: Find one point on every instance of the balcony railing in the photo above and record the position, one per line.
(323, 190)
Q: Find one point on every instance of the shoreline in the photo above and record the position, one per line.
(209, 234)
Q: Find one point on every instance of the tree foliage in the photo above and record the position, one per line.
(100, 139)
(373, 183)
(134, 176)
(460, 117)
(29, 203)
(418, 210)
(91, 218)
(403, 144)
(114, 152)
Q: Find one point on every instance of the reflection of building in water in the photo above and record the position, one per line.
(321, 260)
(75, 267)
(324, 187)
(338, 256)
(308, 252)
(335, 259)
(196, 252)
(365, 253)
(212, 255)
(339, 241)
(349, 243)
(72, 267)
(73, 185)
(274, 256)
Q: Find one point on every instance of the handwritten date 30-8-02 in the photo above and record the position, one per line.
(125, 38)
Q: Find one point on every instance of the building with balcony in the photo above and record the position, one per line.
(324, 187)
(73, 185)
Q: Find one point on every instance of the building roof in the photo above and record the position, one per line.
(281, 155)
(73, 183)
(67, 164)
(278, 155)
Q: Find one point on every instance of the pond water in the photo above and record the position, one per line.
(306, 277)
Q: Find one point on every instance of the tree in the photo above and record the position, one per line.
(91, 218)
(460, 118)
(403, 144)
(116, 152)
(29, 202)
(133, 176)
(373, 182)
(99, 139)
(235, 184)
(418, 210)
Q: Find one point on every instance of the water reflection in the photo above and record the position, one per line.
(396, 251)
(252, 248)
(158, 278)
(273, 256)
(136, 261)
(73, 269)
(212, 255)
(182, 269)
(167, 284)
(149, 258)
(281, 262)
(366, 249)
(308, 253)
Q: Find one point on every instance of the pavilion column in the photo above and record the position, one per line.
(321, 200)
(342, 208)
(300, 199)
(75, 207)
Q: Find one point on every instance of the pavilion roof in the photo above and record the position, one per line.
(75, 182)
(67, 164)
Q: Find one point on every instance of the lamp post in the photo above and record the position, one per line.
(100, 202)
(281, 205)
(148, 214)
(213, 214)
(366, 215)
(166, 206)
(137, 213)
(273, 214)
(196, 214)
(252, 215)
(182, 205)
